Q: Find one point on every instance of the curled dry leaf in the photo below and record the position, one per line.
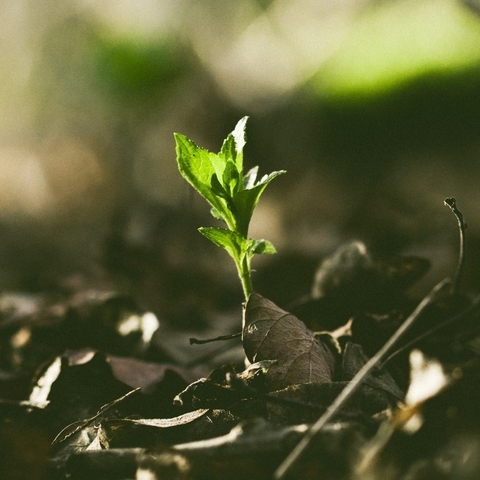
(351, 270)
(224, 387)
(270, 333)
(349, 265)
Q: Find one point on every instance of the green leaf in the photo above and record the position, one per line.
(261, 247)
(218, 188)
(246, 200)
(232, 147)
(229, 162)
(197, 166)
(232, 242)
(233, 196)
(231, 177)
(239, 134)
(250, 178)
(229, 149)
(194, 164)
(218, 164)
(216, 214)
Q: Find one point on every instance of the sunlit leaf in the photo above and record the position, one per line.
(197, 166)
(261, 247)
(246, 200)
(232, 148)
(232, 242)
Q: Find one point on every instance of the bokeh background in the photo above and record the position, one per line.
(372, 106)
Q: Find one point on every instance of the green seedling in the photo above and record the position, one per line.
(232, 195)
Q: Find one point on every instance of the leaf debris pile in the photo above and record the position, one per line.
(94, 386)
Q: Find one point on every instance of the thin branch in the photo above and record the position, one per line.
(197, 341)
(75, 427)
(208, 356)
(462, 227)
(355, 383)
(456, 318)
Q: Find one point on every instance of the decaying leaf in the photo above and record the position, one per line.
(253, 449)
(171, 422)
(304, 403)
(224, 387)
(146, 432)
(351, 269)
(349, 264)
(270, 333)
(36, 328)
(146, 375)
(79, 383)
(161, 432)
(354, 359)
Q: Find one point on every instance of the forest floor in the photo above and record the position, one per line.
(356, 379)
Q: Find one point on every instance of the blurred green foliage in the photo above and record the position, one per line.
(130, 69)
(393, 43)
(361, 97)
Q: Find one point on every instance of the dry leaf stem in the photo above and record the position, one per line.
(462, 227)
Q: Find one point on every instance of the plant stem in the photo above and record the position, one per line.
(244, 273)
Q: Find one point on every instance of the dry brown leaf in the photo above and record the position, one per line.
(270, 333)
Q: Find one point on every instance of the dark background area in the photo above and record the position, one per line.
(91, 94)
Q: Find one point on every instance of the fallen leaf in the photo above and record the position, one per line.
(348, 265)
(191, 426)
(351, 270)
(171, 422)
(353, 361)
(270, 333)
(224, 387)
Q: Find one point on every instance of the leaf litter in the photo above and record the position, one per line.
(116, 416)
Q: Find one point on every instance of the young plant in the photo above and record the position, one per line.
(232, 195)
